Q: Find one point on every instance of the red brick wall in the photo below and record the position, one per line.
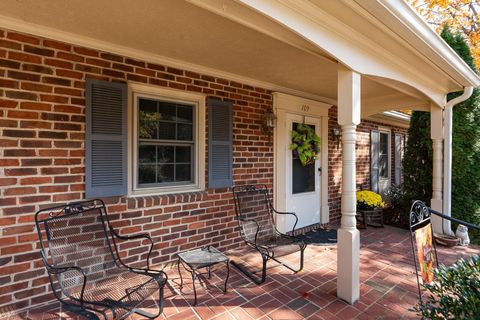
(363, 159)
(42, 123)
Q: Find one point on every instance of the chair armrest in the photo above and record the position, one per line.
(290, 213)
(134, 237)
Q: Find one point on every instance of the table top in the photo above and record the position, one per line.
(202, 257)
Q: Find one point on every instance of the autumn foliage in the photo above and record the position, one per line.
(461, 15)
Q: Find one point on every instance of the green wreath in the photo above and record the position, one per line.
(305, 144)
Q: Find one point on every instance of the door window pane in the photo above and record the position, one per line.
(303, 177)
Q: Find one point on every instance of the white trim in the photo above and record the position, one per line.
(397, 115)
(381, 118)
(434, 47)
(55, 34)
(136, 90)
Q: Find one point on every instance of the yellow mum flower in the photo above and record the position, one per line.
(367, 200)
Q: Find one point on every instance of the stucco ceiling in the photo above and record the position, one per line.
(182, 31)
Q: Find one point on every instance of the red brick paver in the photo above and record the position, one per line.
(388, 288)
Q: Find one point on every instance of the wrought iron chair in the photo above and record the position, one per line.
(79, 248)
(255, 216)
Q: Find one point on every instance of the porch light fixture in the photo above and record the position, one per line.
(269, 121)
(337, 134)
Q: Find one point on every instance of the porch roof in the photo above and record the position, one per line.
(288, 46)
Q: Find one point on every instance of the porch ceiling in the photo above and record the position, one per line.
(192, 37)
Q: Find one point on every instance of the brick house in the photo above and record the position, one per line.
(162, 125)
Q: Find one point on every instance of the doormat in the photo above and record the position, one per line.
(320, 237)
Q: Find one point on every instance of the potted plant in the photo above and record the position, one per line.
(305, 144)
(370, 208)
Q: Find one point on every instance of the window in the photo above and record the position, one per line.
(383, 156)
(167, 149)
(165, 142)
(399, 148)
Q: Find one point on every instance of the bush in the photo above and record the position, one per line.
(417, 161)
(397, 213)
(465, 145)
(455, 293)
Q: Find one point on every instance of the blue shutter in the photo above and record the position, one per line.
(374, 153)
(106, 139)
(219, 144)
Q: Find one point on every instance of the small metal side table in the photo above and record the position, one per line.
(200, 258)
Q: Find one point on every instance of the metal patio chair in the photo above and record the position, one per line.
(80, 250)
(255, 216)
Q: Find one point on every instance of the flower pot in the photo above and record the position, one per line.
(372, 217)
(447, 240)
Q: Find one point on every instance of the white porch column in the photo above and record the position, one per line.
(348, 254)
(436, 133)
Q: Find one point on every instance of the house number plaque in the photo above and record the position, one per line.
(305, 107)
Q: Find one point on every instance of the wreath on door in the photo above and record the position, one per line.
(305, 144)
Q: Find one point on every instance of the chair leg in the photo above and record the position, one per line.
(250, 274)
(289, 266)
(160, 305)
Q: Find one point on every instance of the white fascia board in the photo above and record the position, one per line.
(388, 120)
(397, 115)
(417, 32)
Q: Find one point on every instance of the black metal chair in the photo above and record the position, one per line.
(80, 250)
(255, 216)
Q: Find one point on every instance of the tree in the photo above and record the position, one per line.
(465, 142)
(418, 158)
(461, 15)
(465, 148)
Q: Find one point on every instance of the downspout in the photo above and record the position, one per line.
(447, 165)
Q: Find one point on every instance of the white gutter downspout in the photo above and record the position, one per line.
(447, 166)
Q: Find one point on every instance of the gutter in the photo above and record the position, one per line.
(421, 36)
(447, 156)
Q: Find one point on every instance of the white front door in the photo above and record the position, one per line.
(302, 183)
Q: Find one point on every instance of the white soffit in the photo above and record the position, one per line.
(238, 44)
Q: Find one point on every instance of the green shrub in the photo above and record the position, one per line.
(397, 211)
(465, 145)
(417, 161)
(455, 293)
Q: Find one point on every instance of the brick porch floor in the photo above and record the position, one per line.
(388, 287)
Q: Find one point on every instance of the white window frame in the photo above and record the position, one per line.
(137, 91)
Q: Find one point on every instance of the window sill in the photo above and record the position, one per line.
(146, 192)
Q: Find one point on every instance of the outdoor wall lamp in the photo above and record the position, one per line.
(337, 135)
(269, 121)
